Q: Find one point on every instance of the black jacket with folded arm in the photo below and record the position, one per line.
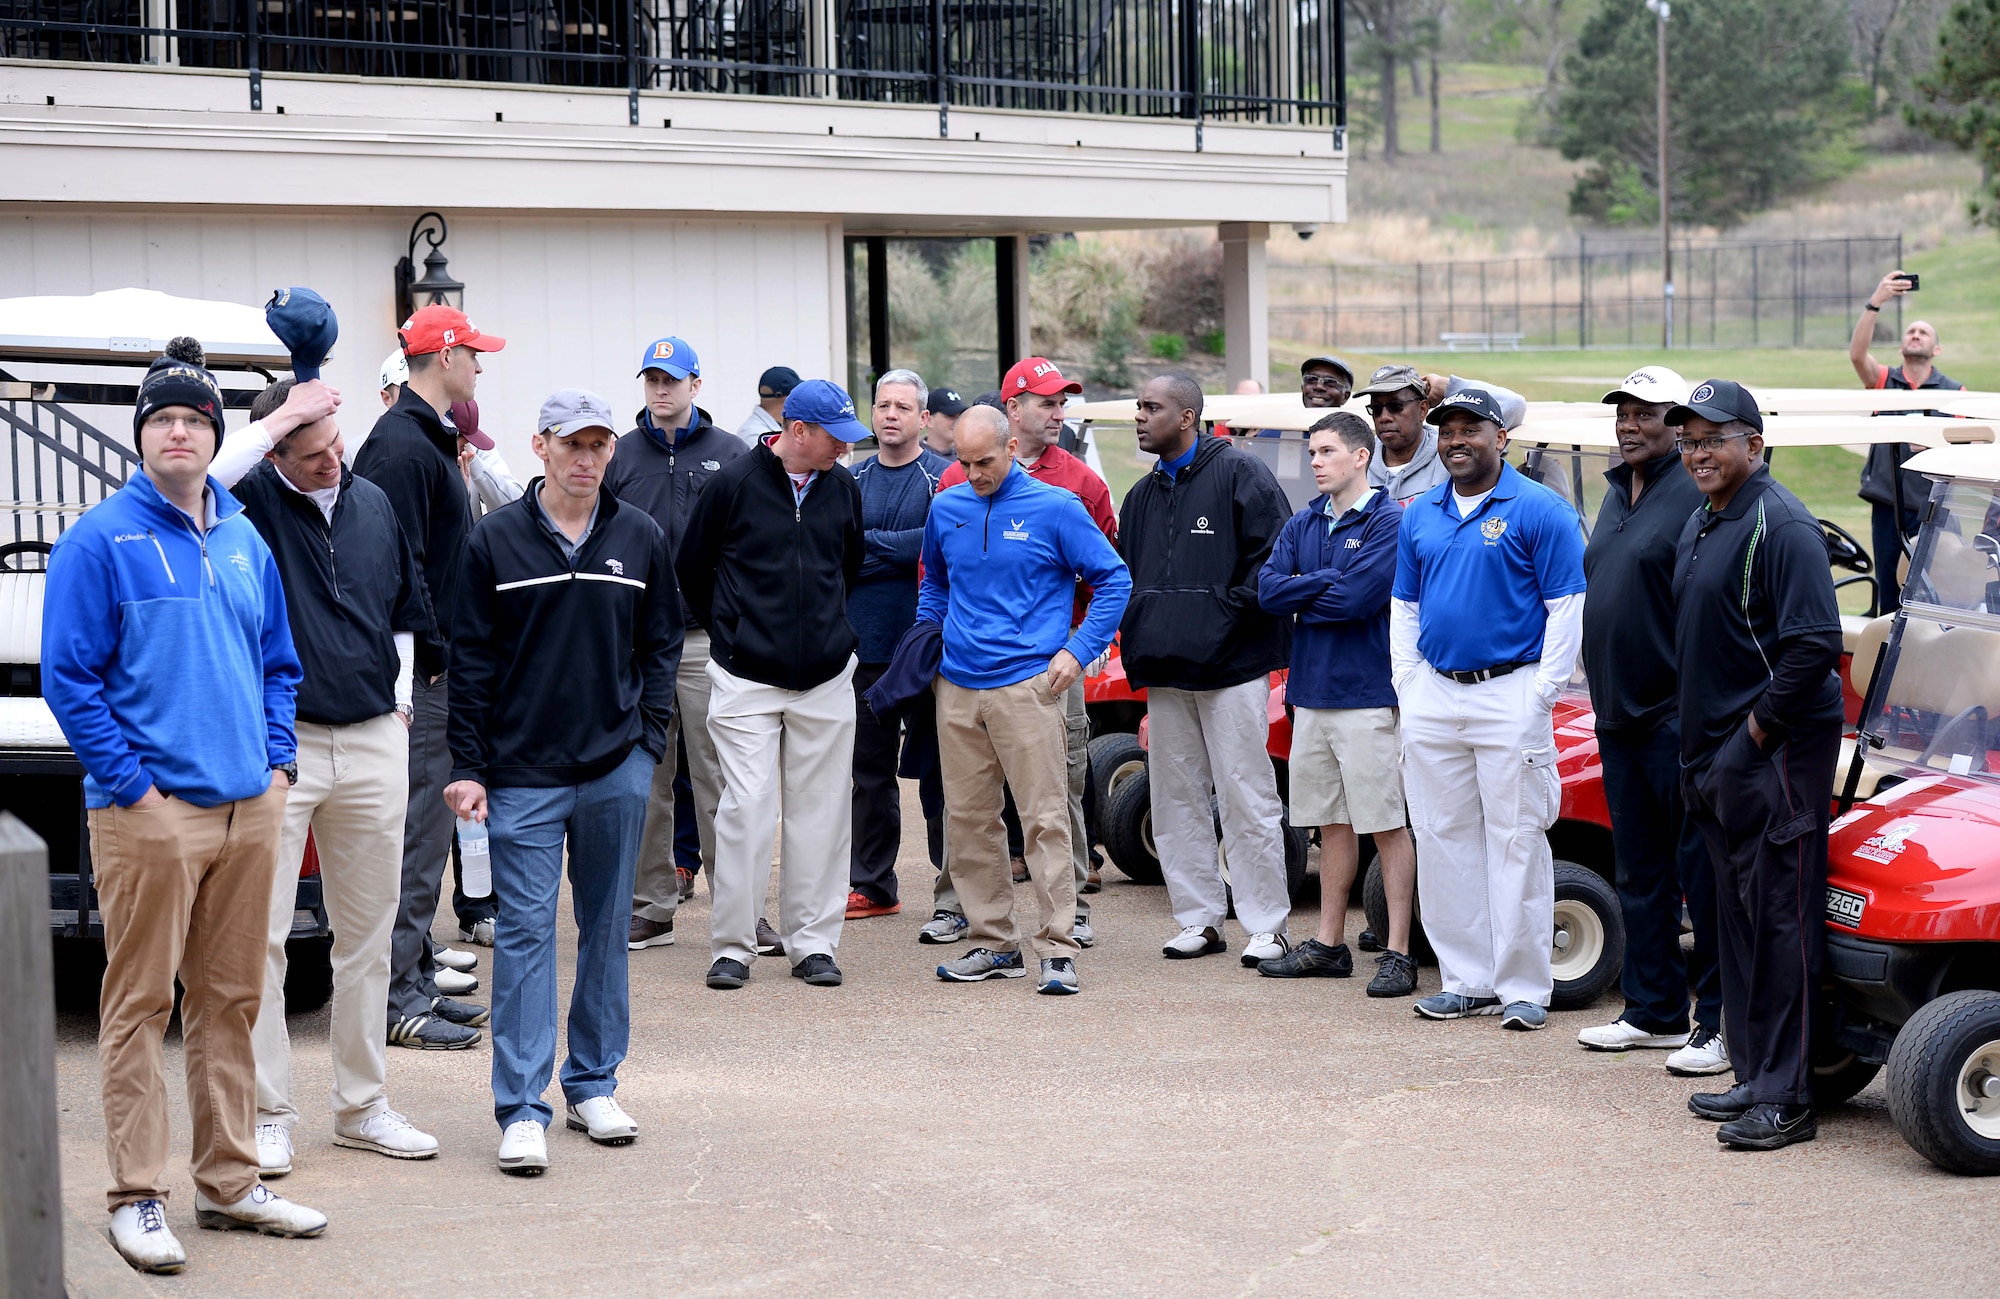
(350, 586)
(768, 575)
(664, 478)
(560, 665)
(413, 458)
(1196, 544)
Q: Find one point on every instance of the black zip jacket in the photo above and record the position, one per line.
(768, 576)
(663, 478)
(560, 665)
(413, 457)
(350, 586)
(1628, 611)
(1195, 545)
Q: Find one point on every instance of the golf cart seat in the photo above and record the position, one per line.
(1949, 673)
(1852, 628)
(25, 720)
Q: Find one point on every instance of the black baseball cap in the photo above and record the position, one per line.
(1331, 362)
(1719, 400)
(1477, 400)
(778, 381)
(945, 401)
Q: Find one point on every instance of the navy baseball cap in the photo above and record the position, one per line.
(1477, 400)
(825, 403)
(778, 381)
(1719, 400)
(670, 356)
(306, 325)
(945, 401)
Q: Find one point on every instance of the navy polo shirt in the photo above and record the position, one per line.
(1479, 582)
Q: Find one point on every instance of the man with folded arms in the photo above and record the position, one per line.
(562, 671)
(771, 552)
(168, 662)
(1002, 558)
(1757, 641)
(1483, 631)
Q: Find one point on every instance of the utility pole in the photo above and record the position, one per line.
(1662, 8)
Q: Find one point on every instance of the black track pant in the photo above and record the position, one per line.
(1765, 822)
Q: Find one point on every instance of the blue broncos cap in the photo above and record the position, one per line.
(306, 325)
(672, 356)
(825, 403)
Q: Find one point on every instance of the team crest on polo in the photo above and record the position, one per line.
(1493, 529)
(662, 350)
(1019, 532)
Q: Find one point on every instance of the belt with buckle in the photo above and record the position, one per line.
(1473, 678)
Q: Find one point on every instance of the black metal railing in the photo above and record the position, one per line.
(1202, 60)
(57, 464)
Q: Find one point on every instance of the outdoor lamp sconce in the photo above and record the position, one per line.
(436, 288)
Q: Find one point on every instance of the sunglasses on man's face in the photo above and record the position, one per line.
(1397, 407)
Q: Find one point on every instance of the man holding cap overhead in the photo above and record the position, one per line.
(661, 467)
(562, 668)
(1325, 381)
(1628, 656)
(766, 417)
(1483, 629)
(412, 455)
(772, 595)
(1757, 645)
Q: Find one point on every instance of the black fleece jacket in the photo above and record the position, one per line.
(561, 664)
(663, 477)
(350, 586)
(1195, 544)
(413, 458)
(768, 575)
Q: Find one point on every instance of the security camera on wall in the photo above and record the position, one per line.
(1305, 231)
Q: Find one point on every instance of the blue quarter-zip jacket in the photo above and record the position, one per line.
(167, 658)
(1334, 584)
(1000, 574)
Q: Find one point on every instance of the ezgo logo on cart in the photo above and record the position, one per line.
(1844, 908)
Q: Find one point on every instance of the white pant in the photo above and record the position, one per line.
(1214, 739)
(353, 791)
(800, 742)
(1479, 766)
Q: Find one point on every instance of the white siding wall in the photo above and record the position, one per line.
(576, 298)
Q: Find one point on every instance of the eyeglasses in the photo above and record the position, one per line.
(1323, 381)
(1391, 407)
(161, 422)
(1689, 446)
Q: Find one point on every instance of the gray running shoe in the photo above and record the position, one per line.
(944, 927)
(982, 963)
(1081, 931)
(1058, 977)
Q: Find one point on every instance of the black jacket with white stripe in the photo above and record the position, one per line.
(559, 665)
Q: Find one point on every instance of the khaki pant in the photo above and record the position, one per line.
(185, 890)
(1013, 734)
(656, 895)
(354, 785)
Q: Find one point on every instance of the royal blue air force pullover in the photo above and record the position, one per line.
(167, 658)
(1000, 574)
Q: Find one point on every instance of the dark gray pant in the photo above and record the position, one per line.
(427, 832)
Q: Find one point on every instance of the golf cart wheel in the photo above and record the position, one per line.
(1113, 759)
(1589, 942)
(1944, 1082)
(1128, 829)
(1375, 905)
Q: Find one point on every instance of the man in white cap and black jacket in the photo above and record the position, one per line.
(563, 664)
(1757, 639)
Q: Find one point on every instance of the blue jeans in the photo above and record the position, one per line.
(602, 821)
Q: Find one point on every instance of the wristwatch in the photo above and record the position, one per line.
(291, 770)
(1869, 306)
(407, 712)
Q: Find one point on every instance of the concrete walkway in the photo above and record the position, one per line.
(1186, 1128)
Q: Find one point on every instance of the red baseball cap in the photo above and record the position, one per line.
(1038, 375)
(435, 328)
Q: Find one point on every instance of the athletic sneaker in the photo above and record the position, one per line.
(726, 974)
(1264, 947)
(1058, 976)
(1705, 1053)
(274, 1150)
(983, 963)
(386, 1132)
(1769, 1127)
(684, 881)
(860, 906)
(465, 1014)
(429, 1032)
(603, 1120)
(1623, 1035)
(818, 970)
(1524, 1017)
(453, 959)
(263, 1211)
(1193, 941)
(1395, 975)
(649, 933)
(1721, 1107)
(1368, 942)
(1456, 1005)
(454, 983)
(140, 1234)
(1081, 931)
(1311, 959)
(768, 942)
(524, 1149)
(944, 927)
(481, 933)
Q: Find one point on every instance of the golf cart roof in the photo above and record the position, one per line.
(1979, 463)
(132, 327)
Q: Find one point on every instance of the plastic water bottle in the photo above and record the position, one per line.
(475, 860)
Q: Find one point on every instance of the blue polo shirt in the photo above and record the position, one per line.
(1479, 582)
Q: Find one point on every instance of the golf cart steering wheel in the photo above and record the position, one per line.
(25, 557)
(1842, 550)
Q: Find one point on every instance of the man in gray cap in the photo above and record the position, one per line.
(767, 416)
(1325, 382)
(1406, 463)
